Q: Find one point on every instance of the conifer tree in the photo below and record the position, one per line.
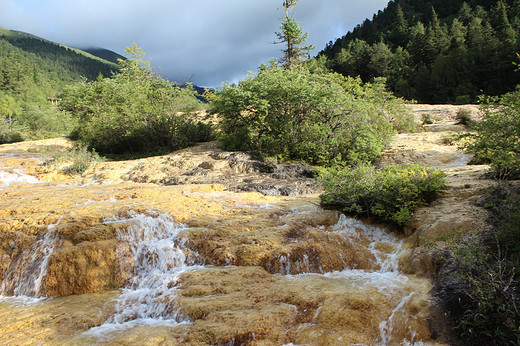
(292, 35)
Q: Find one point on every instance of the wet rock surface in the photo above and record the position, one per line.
(236, 171)
(253, 259)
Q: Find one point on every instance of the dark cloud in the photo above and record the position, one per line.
(207, 41)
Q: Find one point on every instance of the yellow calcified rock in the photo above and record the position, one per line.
(53, 321)
(247, 305)
(259, 235)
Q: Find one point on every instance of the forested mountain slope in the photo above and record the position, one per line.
(27, 61)
(32, 70)
(435, 51)
(105, 54)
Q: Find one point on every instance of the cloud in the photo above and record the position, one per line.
(208, 41)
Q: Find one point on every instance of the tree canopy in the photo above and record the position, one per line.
(435, 51)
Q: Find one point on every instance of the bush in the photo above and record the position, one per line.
(426, 119)
(491, 299)
(495, 138)
(39, 121)
(136, 111)
(75, 161)
(294, 114)
(390, 194)
(464, 117)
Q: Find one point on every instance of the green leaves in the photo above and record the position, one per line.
(390, 194)
(135, 111)
(295, 114)
(496, 138)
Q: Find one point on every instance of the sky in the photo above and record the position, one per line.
(207, 42)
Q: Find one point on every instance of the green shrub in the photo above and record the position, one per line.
(390, 194)
(321, 118)
(495, 139)
(74, 161)
(491, 301)
(8, 134)
(426, 119)
(464, 117)
(136, 111)
(39, 121)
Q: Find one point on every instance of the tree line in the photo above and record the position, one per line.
(31, 71)
(436, 51)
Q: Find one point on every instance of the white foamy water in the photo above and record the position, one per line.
(386, 326)
(385, 278)
(354, 230)
(25, 274)
(16, 177)
(152, 245)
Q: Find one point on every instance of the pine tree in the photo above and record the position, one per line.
(292, 35)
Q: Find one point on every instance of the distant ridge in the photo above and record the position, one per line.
(105, 54)
(49, 57)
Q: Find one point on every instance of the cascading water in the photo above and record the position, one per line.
(25, 274)
(153, 248)
(385, 277)
(378, 240)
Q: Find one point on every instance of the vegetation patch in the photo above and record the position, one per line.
(303, 114)
(135, 111)
(488, 265)
(496, 138)
(390, 194)
(74, 161)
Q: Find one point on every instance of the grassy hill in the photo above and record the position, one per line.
(57, 62)
(105, 54)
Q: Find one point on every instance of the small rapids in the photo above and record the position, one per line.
(385, 247)
(151, 245)
(24, 275)
(386, 278)
(16, 176)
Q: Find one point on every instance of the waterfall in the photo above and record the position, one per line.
(25, 274)
(354, 230)
(151, 244)
(16, 176)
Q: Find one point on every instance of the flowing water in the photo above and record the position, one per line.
(154, 250)
(24, 276)
(271, 278)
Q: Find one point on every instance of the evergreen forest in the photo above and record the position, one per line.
(435, 51)
(33, 70)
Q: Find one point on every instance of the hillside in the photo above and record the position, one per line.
(105, 54)
(58, 64)
(32, 70)
(435, 51)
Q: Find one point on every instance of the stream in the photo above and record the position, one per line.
(129, 263)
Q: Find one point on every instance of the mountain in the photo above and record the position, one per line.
(34, 71)
(105, 54)
(435, 51)
(21, 52)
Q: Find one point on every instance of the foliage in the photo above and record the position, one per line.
(495, 139)
(488, 268)
(295, 114)
(464, 117)
(31, 70)
(136, 111)
(426, 119)
(390, 194)
(75, 161)
(435, 51)
(293, 37)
